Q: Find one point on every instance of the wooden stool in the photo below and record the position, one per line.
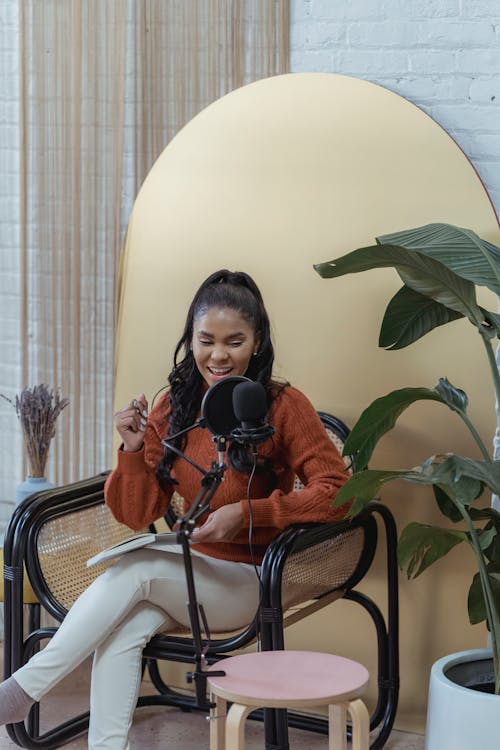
(288, 679)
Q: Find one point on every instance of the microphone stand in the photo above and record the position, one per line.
(210, 482)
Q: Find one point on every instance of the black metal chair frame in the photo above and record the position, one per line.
(21, 537)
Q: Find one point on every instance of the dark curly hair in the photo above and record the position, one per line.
(237, 291)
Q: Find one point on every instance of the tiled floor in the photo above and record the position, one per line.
(163, 728)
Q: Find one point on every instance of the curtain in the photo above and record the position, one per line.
(104, 86)
(191, 53)
(72, 63)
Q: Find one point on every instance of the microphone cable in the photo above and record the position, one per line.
(163, 388)
(250, 513)
(258, 646)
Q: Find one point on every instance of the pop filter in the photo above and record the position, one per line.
(217, 406)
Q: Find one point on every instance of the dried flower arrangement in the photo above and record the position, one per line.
(37, 409)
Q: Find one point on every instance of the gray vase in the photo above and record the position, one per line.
(30, 486)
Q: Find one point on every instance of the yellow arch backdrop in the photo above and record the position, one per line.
(274, 177)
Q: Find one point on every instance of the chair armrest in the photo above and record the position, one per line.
(308, 561)
(53, 533)
(49, 503)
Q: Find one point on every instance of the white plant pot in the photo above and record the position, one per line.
(459, 718)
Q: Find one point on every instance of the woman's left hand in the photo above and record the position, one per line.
(222, 525)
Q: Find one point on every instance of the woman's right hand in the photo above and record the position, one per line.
(130, 423)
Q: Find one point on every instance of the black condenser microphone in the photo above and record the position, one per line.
(250, 409)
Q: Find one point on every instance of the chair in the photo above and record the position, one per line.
(307, 567)
(30, 599)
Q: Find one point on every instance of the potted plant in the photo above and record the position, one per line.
(440, 266)
(37, 409)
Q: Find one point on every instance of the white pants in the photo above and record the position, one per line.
(140, 595)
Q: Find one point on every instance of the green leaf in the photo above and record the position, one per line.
(475, 600)
(409, 316)
(362, 487)
(420, 545)
(493, 517)
(480, 514)
(462, 490)
(382, 414)
(492, 319)
(423, 274)
(454, 397)
(446, 504)
(454, 470)
(486, 537)
(461, 250)
(493, 552)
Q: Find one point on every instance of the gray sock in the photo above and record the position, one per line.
(14, 702)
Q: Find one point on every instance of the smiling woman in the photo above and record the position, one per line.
(223, 343)
(227, 332)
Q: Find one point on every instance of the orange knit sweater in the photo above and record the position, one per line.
(300, 446)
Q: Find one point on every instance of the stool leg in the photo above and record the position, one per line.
(337, 726)
(360, 725)
(217, 722)
(235, 726)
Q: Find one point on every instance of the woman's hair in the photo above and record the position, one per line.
(237, 291)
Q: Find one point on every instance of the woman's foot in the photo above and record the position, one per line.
(14, 702)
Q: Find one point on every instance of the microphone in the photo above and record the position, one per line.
(217, 406)
(217, 416)
(250, 409)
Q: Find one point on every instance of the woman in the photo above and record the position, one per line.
(227, 332)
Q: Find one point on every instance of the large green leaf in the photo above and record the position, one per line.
(409, 316)
(363, 486)
(475, 600)
(457, 471)
(441, 471)
(420, 545)
(381, 416)
(461, 250)
(420, 272)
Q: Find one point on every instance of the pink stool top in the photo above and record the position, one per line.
(282, 678)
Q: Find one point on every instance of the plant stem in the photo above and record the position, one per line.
(477, 437)
(491, 612)
(493, 365)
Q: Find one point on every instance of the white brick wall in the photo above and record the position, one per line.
(442, 55)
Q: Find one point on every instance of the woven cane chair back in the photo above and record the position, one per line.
(64, 545)
(314, 572)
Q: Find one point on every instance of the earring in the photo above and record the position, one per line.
(255, 354)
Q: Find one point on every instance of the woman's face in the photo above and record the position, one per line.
(223, 343)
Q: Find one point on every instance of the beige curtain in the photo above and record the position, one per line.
(72, 56)
(104, 86)
(188, 54)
